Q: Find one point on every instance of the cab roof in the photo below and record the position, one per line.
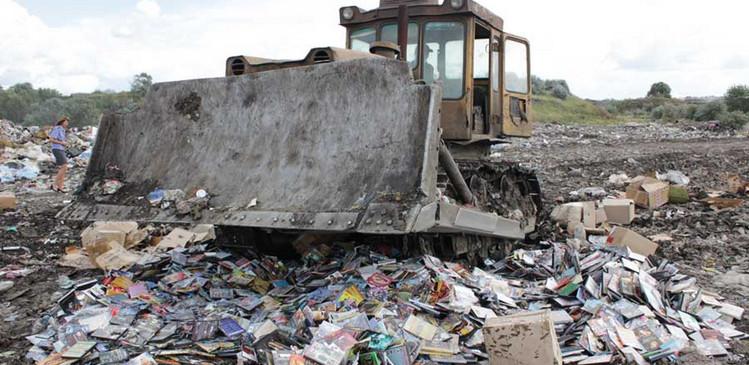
(389, 10)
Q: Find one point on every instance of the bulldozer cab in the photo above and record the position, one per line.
(484, 72)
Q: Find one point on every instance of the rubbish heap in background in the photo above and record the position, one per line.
(178, 298)
(26, 152)
(597, 210)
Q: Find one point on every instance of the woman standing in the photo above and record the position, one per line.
(57, 137)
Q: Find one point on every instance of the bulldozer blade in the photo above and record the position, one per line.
(350, 146)
(320, 143)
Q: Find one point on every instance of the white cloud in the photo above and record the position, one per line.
(619, 48)
(35, 53)
(191, 43)
(148, 7)
(603, 48)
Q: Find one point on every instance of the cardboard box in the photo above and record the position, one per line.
(589, 214)
(619, 211)
(106, 243)
(737, 185)
(124, 233)
(178, 237)
(579, 212)
(620, 236)
(116, 257)
(648, 192)
(7, 200)
(601, 215)
(522, 339)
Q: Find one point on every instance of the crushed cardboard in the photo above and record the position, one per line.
(109, 245)
(737, 184)
(522, 339)
(587, 213)
(621, 236)
(7, 200)
(619, 211)
(723, 203)
(126, 234)
(648, 192)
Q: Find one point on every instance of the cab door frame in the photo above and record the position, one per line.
(516, 106)
(496, 85)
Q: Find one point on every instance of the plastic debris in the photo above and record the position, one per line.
(619, 179)
(5, 285)
(674, 177)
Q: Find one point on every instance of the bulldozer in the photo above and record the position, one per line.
(389, 139)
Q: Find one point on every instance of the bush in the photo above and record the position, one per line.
(670, 112)
(556, 88)
(560, 92)
(660, 89)
(737, 98)
(538, 85)
(612, 108)
(691, 112)
(657, 113)
(552, 84)
(734, 120)
(710, 111)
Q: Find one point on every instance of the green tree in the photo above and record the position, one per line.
(24, 104)
(24, 88)
(18, 101)
(737, 98)
(46, 112)
(14, 106)
(82, 110)
(734, 120)
(140, 84)
(44, 94)
(710, 111)
(660, 89)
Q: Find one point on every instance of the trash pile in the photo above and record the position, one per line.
(594, 209)
(179, 298)
(183, 203)
(553, 134)
(26, 152)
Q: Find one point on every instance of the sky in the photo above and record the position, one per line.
(604, 49)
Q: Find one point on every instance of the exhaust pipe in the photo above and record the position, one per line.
(403, 31)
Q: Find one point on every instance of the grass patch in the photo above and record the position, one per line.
(572, 110)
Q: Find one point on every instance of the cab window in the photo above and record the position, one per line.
(444, 56)
(481, 58)
(516, 67)
(390, 34)
(362, 39)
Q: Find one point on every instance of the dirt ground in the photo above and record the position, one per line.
(713, 246)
